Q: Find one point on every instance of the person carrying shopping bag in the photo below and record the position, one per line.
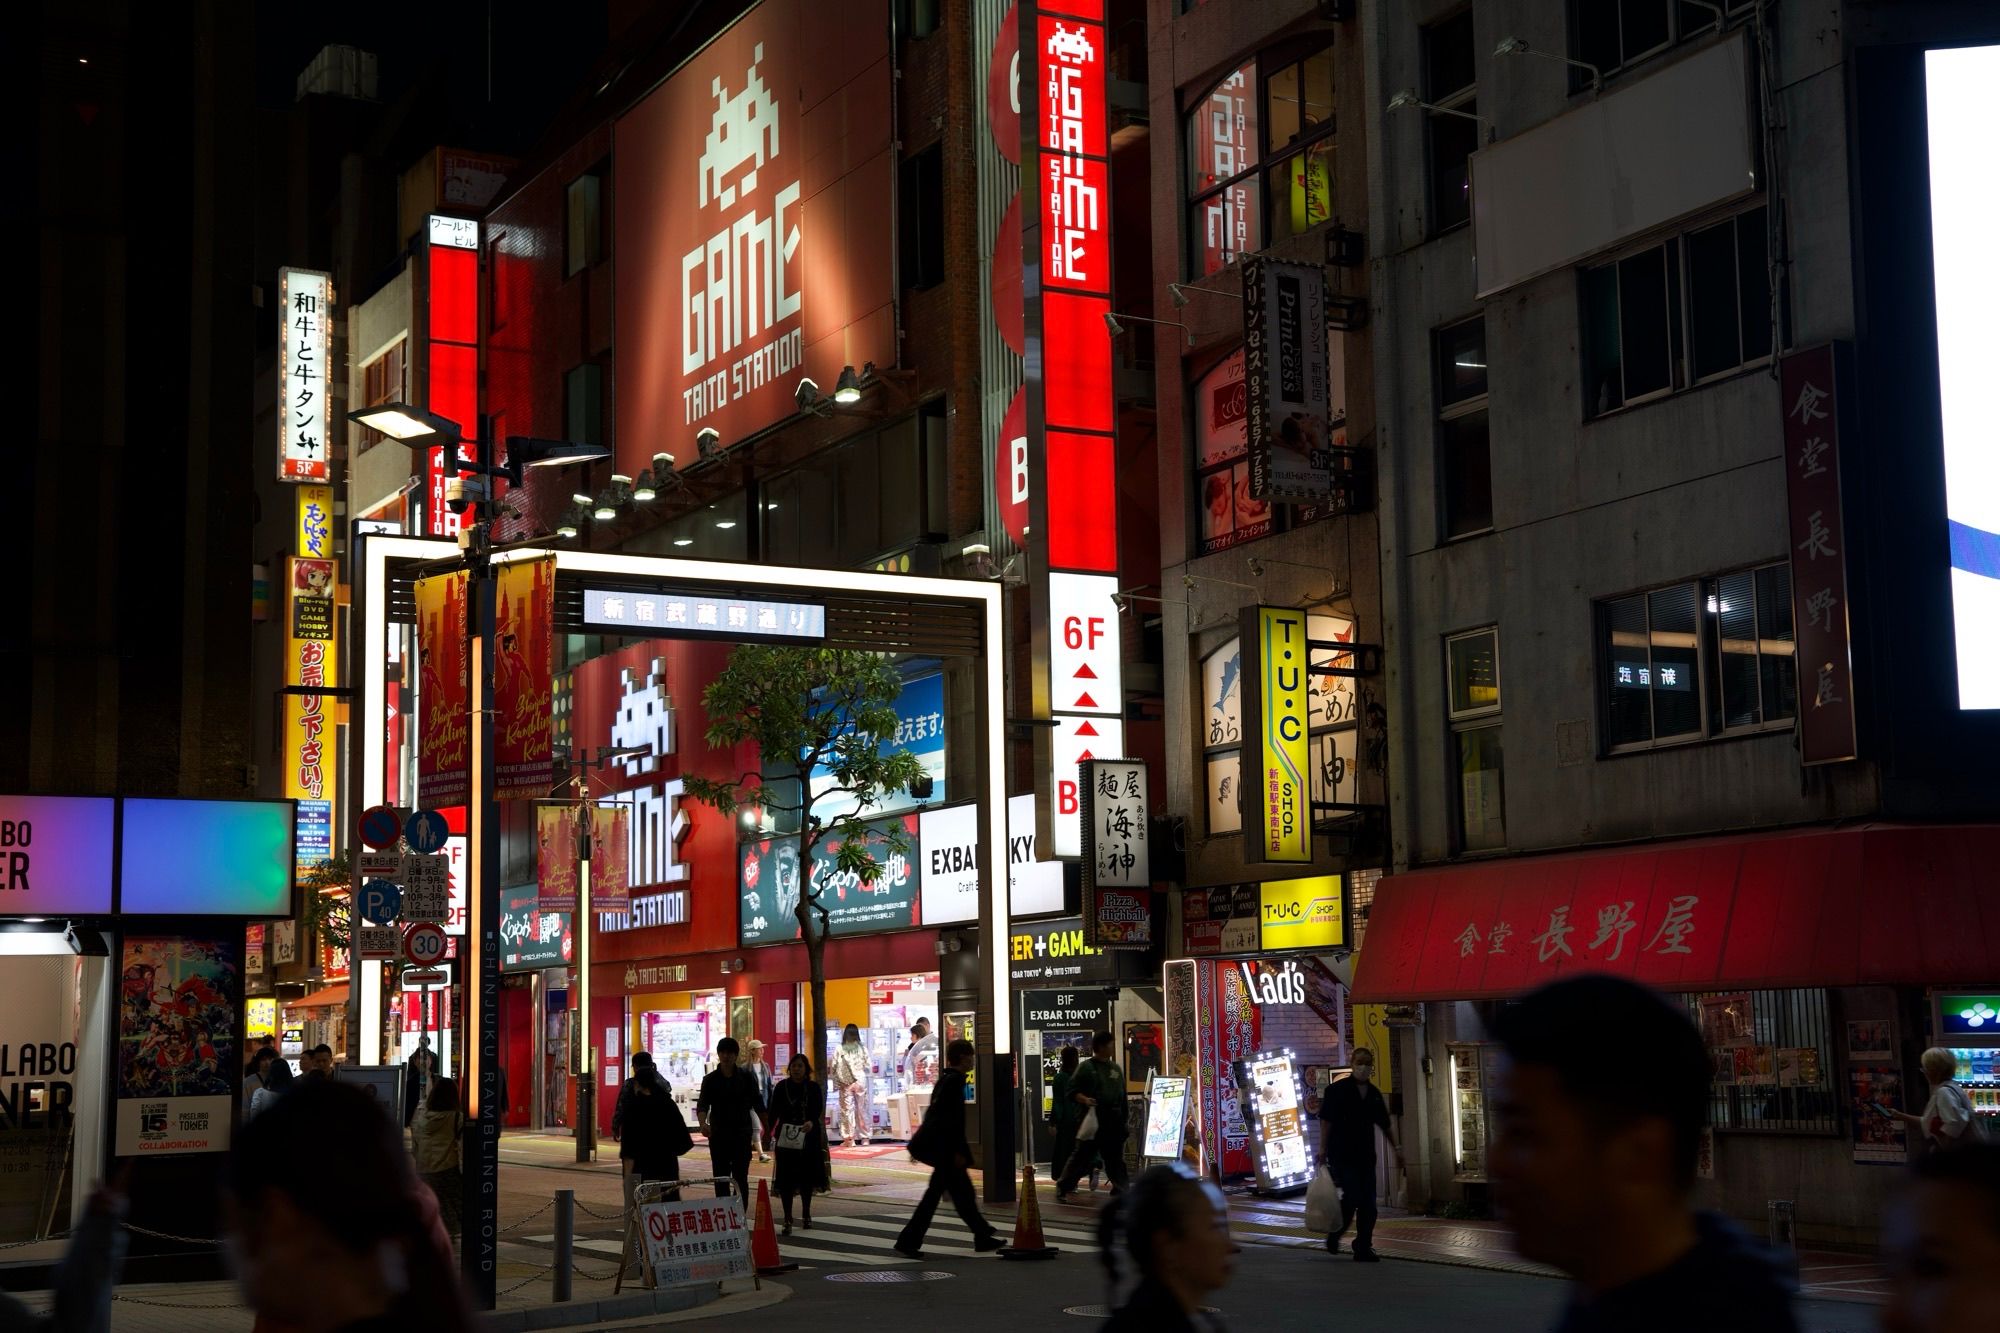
(1064, 1114)
(850, 1073)
(797, 1132)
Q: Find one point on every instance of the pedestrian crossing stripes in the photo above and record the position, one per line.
(870, 1239)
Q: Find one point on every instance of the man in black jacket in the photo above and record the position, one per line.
(728, 1108)
(942, 1143)
(1352, 1110)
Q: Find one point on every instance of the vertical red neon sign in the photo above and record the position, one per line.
(453, 254)
(1072, 448)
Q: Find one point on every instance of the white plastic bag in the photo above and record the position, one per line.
(1322, 1202)
(1088, 1129)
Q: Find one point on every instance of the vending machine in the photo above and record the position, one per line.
(1968, 1025)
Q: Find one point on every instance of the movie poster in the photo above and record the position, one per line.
(610, 858)
(177, 1062)
(1879, 1139)
(444, 751)
(524, 680)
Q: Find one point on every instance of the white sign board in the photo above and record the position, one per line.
(696, 1241)
(381, 865)
(305, 344)
(458, 233)
(377, 942)
(1084, 671)
(1035, 886)
(1075, 740)
(1115, 820)
(430, 902)
(1166, 1118)
(949, 842)
(702, 613)
(170, 1126)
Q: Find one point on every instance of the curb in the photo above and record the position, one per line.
(607, 1310)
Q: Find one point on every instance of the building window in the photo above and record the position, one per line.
(1332, 728)
(1712, 657)
(583, 404)
(919, 18)
(857, 501)
(1222, 736)
(583, 243)
(1772, 1058)
(1260, 151)
(1472, 669)
(1679, 313)
(921, 232)
(1450, 81)
(382, 381)
(1616, 34)
(1465, 455)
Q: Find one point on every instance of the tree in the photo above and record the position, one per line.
(327, 913)
(808, 709)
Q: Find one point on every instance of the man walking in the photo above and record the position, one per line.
(1593, 1166)
(941, 1143)
(1099, 1086)
(728, 1108)
(1351, 1111)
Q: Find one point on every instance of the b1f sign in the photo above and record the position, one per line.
(1277, 793)
(1076, 741)
(305, 345)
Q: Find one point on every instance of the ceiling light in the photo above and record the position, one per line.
(848, 390)
(725, 523)
(581, 498)
(684, 541)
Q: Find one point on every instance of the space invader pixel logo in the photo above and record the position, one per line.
(744, 129)
(645, 719)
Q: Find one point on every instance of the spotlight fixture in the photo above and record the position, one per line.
(572, 521)
(642, 490)
(707, 443)
(1116, 324)
(606, 507)
(581, 499)
(1111, 323)
(1407, 97)
(848, 390)
(1182, 293)
(400, 421)
(807, 395)
(1517, 46)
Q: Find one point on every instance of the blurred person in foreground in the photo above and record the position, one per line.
(1598, 1119)
(358, 1252)
(1943, 1245)
(1176, 1230)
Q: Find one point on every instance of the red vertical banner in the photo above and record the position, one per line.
(444, 751)
(1809, 392)
(610, 858)
(555, 858)
(1230, 1031)
(524, 680)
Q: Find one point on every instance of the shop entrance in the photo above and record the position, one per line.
(900, 1030)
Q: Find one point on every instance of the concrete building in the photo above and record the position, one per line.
(1594, 248)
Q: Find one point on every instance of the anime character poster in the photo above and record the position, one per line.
(177, 1060)
(1873, 1091)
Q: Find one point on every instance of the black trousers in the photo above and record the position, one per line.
(1110, 1145)
(951, 1178)
(731, 1157)
(1356, 1182)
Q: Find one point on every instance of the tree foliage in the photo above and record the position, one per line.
(323, 915)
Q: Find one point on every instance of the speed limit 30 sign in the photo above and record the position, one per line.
(424, 944)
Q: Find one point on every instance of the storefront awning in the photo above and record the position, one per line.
(330, 997)
(1868, 905)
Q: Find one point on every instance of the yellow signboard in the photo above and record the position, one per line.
(1303, 913)
(1277, 791)
(260, 1018)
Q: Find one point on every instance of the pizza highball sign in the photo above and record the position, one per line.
(750, 245)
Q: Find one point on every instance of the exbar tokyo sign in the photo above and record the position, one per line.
(305, 341)
(1072, 452)
(750, 247)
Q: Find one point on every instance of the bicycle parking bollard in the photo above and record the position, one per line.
(565, 1244)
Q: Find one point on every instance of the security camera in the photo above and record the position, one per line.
(460, 493)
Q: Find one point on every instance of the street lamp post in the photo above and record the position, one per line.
(479, 1257)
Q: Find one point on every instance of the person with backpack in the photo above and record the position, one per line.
(1947, 1119)
(652, 1133)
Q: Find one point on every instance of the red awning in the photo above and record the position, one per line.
(1861, 906)
(332, 995)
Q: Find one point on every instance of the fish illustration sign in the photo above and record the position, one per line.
(750, 192)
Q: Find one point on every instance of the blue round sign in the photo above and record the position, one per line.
(425, 832)
(379, 826)
(381, 902)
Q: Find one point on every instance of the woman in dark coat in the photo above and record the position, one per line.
(1064, 1113)
(798, 1133)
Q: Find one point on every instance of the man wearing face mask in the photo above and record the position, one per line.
(1352, 1110)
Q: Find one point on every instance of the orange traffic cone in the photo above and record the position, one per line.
(1028, 1240)
(764, 1238)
